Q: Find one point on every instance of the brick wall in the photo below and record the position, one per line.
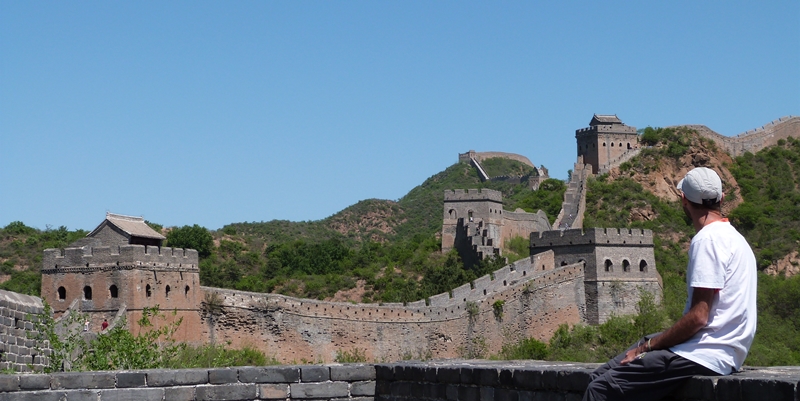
(439, 380)
(18, 351)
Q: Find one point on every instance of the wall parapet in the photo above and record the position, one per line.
(593, 236)
(535, 380)
(98, 258)
(437, 380)
(473, 194)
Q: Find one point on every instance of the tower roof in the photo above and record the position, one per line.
(605, 119)
(131, 225)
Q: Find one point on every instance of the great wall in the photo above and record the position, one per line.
(574, 275)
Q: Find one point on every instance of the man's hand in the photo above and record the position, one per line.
(631, 355)
(688, 325)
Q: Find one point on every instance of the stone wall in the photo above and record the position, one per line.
(753, 140)
(439, 380)
(481, 156)
(18, 350)
(536, 298)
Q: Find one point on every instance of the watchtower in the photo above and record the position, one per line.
(618, 263)
(604, 141)
(112, 270)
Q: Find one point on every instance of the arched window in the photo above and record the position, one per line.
(186, 291)
(604, 144)
(453, 214)
(87, 293)
(642, 266)
(609, 266)
(612, 144)
(147, 291)
(166, 292)
(626, 266)
(62, 293)
(113, 291)
(629, 145)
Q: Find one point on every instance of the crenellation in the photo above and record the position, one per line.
(473, 194)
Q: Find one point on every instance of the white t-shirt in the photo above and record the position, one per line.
(720, 258)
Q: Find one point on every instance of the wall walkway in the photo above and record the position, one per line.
(439, 380)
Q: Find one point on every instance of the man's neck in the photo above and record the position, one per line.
(711, 216)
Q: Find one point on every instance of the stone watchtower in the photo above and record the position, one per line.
(121, 266)
(618, 264)
(605, 142)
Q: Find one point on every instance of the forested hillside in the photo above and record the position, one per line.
(373, 251)
(388, 251)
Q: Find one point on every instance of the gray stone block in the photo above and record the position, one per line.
(223, 376)
(528, 379)
(230, 392)
(131, 379)
(766, 389)
(93, 380)
(486, 393)
(449, 375)
(384, 372)
(353, 372)
(488, 376)
(9, 383)
(319, 390)
(362, 388)
(269, 374)
(132, 394)
(182, 377)
(35, 396)
(504, 394)
(451, 392)
(34, 382)
(469, 375)
(469, 393)
(184, 393)
(273, 391)
(312, 373)
(575, 380)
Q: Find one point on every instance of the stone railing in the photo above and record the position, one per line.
(440, 380)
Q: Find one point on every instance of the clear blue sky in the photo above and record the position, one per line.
(199, 112)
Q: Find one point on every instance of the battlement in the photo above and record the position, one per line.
(613, 129)
(596, 236)
(123, 256)
(473, 195)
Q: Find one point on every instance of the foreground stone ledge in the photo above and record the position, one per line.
(434, 380)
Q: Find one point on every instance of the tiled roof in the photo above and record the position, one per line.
(133, 226)
(605, 119)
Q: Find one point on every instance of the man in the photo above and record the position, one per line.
(716, 330)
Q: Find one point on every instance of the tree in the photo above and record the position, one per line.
(194, 237)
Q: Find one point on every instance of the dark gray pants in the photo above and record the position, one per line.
(651, 377)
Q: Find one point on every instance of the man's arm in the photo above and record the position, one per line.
(687, 326)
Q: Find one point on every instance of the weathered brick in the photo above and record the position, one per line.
(226, 392)
(352, 372)
(9, 383)
(223, 376)
(362, 388)
(384, 372)
(449, 375)
(573, 380)
(314, 373)
(184, 393)
(528, 379)
(273, 391)
(131, 379)
(269, 374)
(34, 382)
(37, 396)
(319, 390)
(469, 393)
(165, 378)
(132, 394)
(70, 380)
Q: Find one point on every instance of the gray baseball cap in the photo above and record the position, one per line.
(701, 183)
